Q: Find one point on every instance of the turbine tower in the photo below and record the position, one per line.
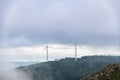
(75, 49)
(75, 52)
(47, 52)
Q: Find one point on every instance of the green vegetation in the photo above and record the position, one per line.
(68, 69)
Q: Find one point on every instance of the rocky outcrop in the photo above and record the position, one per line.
(111, 72)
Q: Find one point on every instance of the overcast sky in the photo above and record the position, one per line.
(26, 23)
(31, 22)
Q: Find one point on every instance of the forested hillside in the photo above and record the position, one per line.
(68, 69)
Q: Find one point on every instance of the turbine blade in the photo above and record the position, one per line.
(44, 48)
(73, 44)
(50, 47)
(79, 46)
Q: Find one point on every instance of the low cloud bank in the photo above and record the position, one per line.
(7, 72)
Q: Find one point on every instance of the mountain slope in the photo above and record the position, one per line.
(111, 72)
(68, 69)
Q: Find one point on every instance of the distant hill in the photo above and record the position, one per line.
(68, 69)
(22, 63)
(111, 72)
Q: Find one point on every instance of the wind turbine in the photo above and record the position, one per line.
(47, 51)
(75, 52)
(75, 45)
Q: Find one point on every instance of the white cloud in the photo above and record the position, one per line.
(37, 53)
